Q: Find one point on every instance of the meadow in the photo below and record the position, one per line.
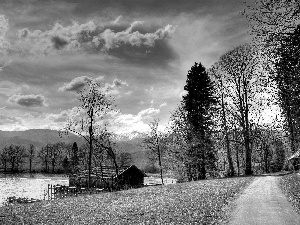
(201, 202)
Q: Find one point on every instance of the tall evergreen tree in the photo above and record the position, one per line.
(198, 102)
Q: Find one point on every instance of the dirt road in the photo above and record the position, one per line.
(264, 203)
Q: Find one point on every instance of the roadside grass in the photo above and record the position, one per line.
(290, 185)
(199, 202)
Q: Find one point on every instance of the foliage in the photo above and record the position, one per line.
(288, 81)
(290, 184)
(202, 202)
(271, 20)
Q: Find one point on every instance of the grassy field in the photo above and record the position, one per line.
(200, 202)
(290, 184)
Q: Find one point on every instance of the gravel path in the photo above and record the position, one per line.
(263, 203)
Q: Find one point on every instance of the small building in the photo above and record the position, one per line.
(106, 177)
(295, 160)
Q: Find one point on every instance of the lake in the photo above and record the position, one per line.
(28, 185)
(34, 185)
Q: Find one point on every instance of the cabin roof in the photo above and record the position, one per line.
(107, 172)
(296, 155)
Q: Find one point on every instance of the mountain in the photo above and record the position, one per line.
(37, 137)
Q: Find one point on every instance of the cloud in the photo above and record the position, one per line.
(163, 105)
(4, 44)
(112, 89)
(64, 115)
(126, 123)
(8, 88)
(117, 20)
(134, 38)
(78, 83)
(130, 41)
(28, 100)
(9, 120)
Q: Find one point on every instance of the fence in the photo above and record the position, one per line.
(63, 191)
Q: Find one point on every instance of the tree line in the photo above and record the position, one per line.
(59, 157)
(231, 135)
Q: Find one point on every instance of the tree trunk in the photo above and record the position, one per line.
(248, 170)
(159, 162)
(91, 148)
(53, 165)
(229, 158)
(30, 164)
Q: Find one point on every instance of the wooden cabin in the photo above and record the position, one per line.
(106, 177)
(295, 160)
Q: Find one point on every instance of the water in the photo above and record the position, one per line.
(28, 185)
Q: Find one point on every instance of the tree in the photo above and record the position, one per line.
(4, 156)
(179, 142)
(215, 72)
(279, 156)
(154, 142)
(271, 20)
(31, 154)
(288, 82)
(55, 154)
(199, 102)
(239, 66)
(124, 159)
(94, 105)
(75, 157)
(44, 155)
(16, 156)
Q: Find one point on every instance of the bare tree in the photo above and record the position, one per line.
(94, 105)
(240, 67)
(155, 143)
(16, 156)
(222, 94)
(31, 155)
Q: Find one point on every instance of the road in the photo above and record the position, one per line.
(263, 203)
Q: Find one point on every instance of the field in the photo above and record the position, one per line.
(290, 184)
(201, 202)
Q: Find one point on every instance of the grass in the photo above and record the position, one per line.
(200, 202)
(290, 185)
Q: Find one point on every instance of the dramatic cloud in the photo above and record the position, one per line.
(92, 39)
(28, 100)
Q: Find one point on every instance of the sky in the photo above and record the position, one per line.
(141, 50)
